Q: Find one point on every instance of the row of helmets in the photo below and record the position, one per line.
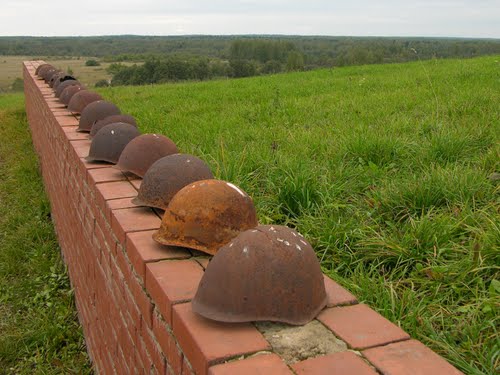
(258, 272)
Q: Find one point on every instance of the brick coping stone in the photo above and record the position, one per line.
(133, 295)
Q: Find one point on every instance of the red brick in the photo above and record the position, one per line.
(72, 135)
(65, 120)
(171, 282)
(136, 183)
(206, 342)
(132, 220)
(337, 295)
(142, 249)
(85, 165)
(203, 261)
(81, 147)
(270, 364)
(113, 190)
(108, 174)
(361, 327)
(344, 363)
(153, 349)
(408, 358)
(119, 204)
(167, 343)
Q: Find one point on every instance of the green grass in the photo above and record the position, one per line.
(39, 330)
(384, 168)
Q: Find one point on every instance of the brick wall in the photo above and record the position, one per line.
(133, 295)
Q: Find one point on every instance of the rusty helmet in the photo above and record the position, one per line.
(55, 76)
(109, 142)
(60, 88)
(143, 151)
(49, 73)
(167, 176)
(205, 215)
(269, 273)
(69, 91)
(62, 78)
(127, 119)
(42, 67)
(94, 112)
(82, 99)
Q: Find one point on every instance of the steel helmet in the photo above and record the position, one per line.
(143, 151)
(39, 70)
(69, 92)
(127, 119)
(205, 215)
(94, 112)
(82, 99)
(49, 73)
(268, 273)
(109, 142)
(167, 176)
(60, 88)
(62, 78)
(54, 77)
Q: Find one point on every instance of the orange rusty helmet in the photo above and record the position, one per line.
(167, 176)
(109, 142)
(94, 112)
(127, 119)
(206, 215)
(269, 273)
(68, 93)
(143, 151)
(82, 99)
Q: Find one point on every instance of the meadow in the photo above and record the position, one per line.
(391, 171)
(11, 68)
(39, 329)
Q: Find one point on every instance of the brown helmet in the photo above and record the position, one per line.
(42, 67)
(49, 73)
(143, 151)
(82, 99)
(68, 93)
(54, 77)
(127, 119)
(109, 142)
(205, 215)
(167, 176)
(267, 273)
(60, 88)
(60, 79)
(94, 112)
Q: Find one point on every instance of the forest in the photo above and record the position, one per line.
(175, 58)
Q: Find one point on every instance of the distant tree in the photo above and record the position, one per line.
(17, 85)
(295, 61)
(243, 68)
(92, 62)
(272, 67)
(102, 83)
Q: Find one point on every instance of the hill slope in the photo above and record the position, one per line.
(388, 170)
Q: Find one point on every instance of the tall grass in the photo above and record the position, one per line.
(386, 169)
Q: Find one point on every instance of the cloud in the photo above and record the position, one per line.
(466, 18)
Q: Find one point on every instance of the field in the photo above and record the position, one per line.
(39, 330)
(11, 68)
(391, 171)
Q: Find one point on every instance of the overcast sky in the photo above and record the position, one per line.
(459, 18)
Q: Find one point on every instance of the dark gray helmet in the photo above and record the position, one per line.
(109, 142)
(94, 112)
(127, 119)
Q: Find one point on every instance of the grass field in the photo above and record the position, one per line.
(39, 330)
(11, 68)
(391, 172)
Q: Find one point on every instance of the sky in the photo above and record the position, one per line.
(441, 18)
